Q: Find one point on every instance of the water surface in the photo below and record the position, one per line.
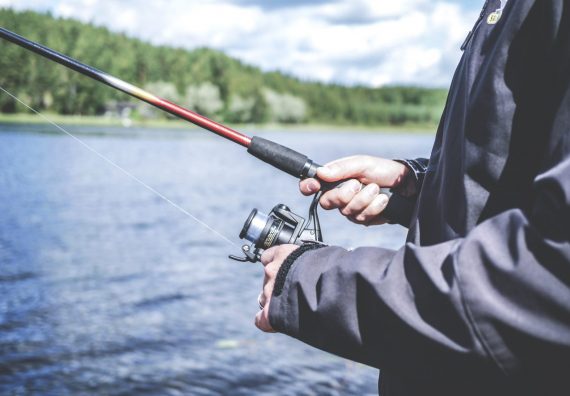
(108, 290)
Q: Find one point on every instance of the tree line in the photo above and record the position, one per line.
(205, 80)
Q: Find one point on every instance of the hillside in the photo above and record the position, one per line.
(205, 80)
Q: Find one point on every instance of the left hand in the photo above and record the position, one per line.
(272, 259)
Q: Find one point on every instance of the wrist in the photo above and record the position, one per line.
(288, 263)
(407, 181)
(411, 184)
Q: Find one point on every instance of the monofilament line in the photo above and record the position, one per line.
(115, 165)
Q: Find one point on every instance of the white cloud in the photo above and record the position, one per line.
(369, 42)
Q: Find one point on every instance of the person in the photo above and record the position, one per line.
(477, 302)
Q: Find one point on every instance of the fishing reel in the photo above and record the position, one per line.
(281, 226)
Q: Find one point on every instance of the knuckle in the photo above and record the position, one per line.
(267, 290)
(370, 192)
(362, 201)
(345, 195)
(268, 256)
(327, 201)
(379, 204)
(267, 271)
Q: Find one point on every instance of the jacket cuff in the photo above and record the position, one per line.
(281, 317)
(402, 203)
(288, 263)
(418, 168)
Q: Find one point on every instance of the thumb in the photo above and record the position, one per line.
(345, 168)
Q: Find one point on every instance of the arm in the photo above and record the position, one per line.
(501, 294)
(498, 298)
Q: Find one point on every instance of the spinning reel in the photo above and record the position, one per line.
(280, 226)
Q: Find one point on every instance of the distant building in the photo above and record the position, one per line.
(122, 110)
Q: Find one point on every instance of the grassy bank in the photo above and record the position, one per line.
(23, 118)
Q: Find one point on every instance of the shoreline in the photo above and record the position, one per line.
(22, 118)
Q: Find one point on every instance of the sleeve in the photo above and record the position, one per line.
(499, 297)
(403, 199)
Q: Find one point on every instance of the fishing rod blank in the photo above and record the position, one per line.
(281, 157)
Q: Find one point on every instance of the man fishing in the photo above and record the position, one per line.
(477, 302)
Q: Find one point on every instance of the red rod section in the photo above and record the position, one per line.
(130, 89)
(204, 122)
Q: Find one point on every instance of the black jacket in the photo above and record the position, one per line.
(478, 300)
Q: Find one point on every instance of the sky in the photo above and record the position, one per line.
(367, 42)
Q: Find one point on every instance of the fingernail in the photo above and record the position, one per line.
(313, 186)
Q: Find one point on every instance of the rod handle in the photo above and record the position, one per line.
(283, 158)
(301, 167)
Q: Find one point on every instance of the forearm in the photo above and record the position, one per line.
(372, 306)
(500, 297)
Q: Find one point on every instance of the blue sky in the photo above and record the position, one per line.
(370, 42)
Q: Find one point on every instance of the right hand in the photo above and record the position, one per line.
(360, 204)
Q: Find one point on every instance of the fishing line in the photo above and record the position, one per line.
(123, 170)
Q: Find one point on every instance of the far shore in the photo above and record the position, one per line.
(22, 118)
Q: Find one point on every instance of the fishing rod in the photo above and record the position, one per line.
(281, 157)
(281, 225)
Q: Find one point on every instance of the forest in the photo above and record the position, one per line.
(204, 80)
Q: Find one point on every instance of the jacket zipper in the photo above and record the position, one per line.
(475, 27)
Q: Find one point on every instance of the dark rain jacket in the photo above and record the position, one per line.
(478, 300)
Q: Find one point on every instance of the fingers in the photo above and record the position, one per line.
(309, 186)
(345, 168)
(262, 317)
(262, 320)
(340, 197)
(362, 207)
(268, 255)
(277, 254)
(366, 169)
(371, 214)
(265, 295)
(361, 200)
(272, 260)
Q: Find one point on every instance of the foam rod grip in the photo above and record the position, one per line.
(281, 157)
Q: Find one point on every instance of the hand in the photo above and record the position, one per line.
(272, 259)
(360, 204)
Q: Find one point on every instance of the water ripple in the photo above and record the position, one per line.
(105, 290)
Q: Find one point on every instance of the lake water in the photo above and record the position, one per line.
(105, 289)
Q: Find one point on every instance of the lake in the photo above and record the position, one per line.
(106, 289)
